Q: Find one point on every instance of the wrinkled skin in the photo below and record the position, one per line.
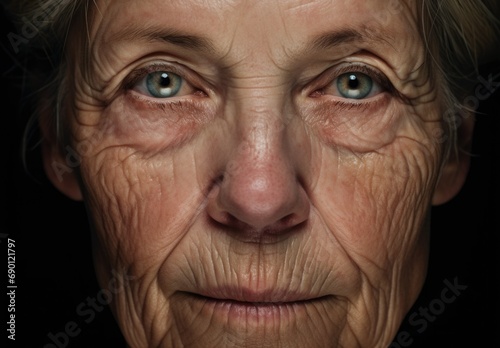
(258, 206)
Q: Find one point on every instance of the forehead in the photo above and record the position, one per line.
(250, 27)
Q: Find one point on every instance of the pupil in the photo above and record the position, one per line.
(164, 80)
(353, 82)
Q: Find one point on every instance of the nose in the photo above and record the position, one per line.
(259, 196)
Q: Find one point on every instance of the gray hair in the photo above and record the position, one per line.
(467, 35)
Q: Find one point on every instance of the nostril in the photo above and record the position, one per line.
(245, 233)
(228, 220)
(255, 226)
(294, 219)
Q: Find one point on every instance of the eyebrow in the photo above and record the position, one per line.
(337, 38)
(171, 36)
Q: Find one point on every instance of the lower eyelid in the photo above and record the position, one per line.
(331, 110)
(140, 101)
(176, 103)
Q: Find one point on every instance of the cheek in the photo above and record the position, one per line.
(375, 204)
(147, 206)
(133, 168)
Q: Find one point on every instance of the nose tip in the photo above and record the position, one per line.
(259, 200)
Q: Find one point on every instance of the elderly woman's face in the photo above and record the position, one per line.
(262, 170)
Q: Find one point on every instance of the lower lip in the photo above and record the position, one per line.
(253, 311)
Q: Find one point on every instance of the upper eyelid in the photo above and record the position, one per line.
(324, 78)
(379, 77)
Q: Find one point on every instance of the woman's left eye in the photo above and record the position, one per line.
(353, 85)
(163, 84)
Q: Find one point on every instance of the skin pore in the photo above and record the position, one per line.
(262, 170)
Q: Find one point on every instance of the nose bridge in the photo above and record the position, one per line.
(260, 127)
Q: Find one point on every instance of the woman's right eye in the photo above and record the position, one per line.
(163, 84)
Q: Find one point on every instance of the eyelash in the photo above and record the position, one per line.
(341, 103)
(173, 103)
(333, 74)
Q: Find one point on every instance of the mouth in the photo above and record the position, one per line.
(258, 303)
(245, 305)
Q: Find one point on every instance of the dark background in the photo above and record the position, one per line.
(54, 270)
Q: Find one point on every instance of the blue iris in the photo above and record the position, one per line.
(162, 84)
(354, 85)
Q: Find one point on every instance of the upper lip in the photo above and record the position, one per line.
(257, 296)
